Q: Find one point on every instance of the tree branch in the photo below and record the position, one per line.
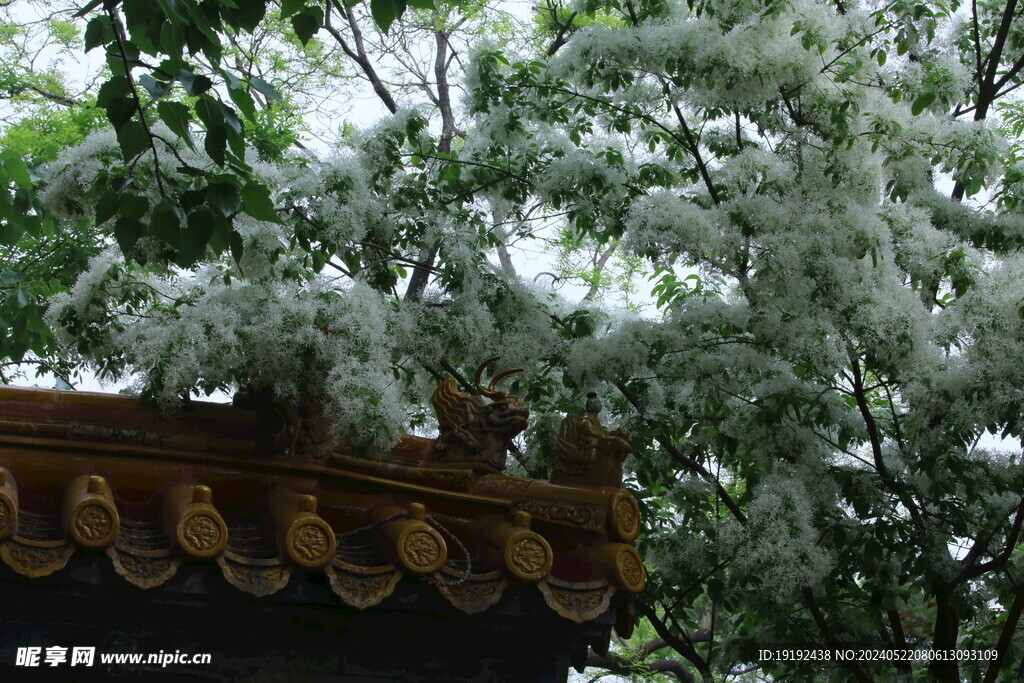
(678, 456)
(987, 88)
(875, 438)
(900, 638)
(621, 665)
(66, 100)
(1006, 636)
(561, 37)
(120, 39)
(830, 638)
(972, 571)
(359, 55)
(598, 269)
(678, 644)
(946, 630)
(695, 152)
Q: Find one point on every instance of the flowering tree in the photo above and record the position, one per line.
(825, 196)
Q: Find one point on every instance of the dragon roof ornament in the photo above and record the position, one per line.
(476, 433)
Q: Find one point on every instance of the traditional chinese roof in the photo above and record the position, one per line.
(85, 474)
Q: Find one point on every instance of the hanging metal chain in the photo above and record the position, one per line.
(374, 550)
(366, 551)
(369, 527)
(439, 579)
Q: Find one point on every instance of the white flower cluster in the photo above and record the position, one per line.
(303, 341)
(73, 175)
(780, 544)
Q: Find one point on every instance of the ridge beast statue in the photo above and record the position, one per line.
(474, 432)
(585, 455)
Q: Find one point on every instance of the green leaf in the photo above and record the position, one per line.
(98, 32)
(213, 52)
(269, 91)
(194, 85)
(107, 206)
(199, 21)
(922, 102)
(386, 11)
(194, 240)
(230, 117)
(421, 4)
(224, 197)
(127, 232)
(210, 112)
(237, 246)
(219, 228)
(33, 225)
(133, 206)
(237, 144)
(133, 139)
(290, 7)
(174, 10)
(246, 15)
(165, 223)
(10, 277)
(171, 41)
(256, 202)
(11, 230)
(177, 117)
(243, 101)
(143, 19)
(115, 96)
(155, 88)
(307, 22)
(451, 173)
(216, 143)
(18, 172)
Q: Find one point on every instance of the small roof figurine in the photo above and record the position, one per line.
(586, 456)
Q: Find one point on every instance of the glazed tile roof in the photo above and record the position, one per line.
(158, 493)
